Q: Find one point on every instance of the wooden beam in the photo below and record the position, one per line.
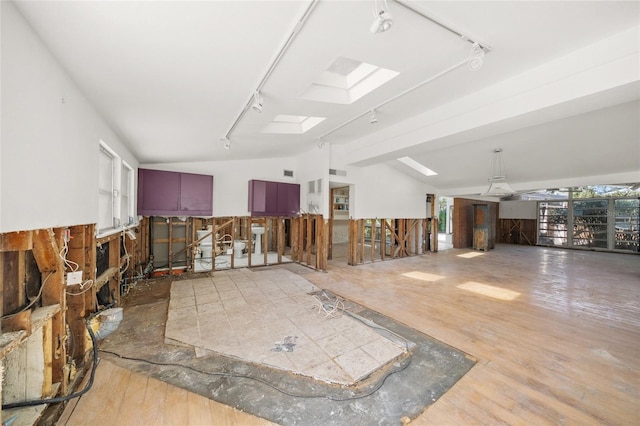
(383, 238)
(280, 237)
(46, 250)
(16, 322)
(309, 244)
(16, 241)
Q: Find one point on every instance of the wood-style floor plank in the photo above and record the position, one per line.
(564, 350)
(125, 398)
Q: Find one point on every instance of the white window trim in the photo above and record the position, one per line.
(117, 165)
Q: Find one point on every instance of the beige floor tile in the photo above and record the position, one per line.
(210, 308)
(357, 363)
(307, 356)
(335, 345)
(182, 301)
(234, 304)
(330, 372)
(279, 360)
(254, 315)
(179, 313)
(382, 351)
(210, 297)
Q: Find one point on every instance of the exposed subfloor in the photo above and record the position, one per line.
(401, 389)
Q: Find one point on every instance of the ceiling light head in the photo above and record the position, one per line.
(257, 102)
(476, 57)
(382, 20)
(374, 118)
(227, 142)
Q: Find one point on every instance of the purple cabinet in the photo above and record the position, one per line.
(162, 193)
(273, 198)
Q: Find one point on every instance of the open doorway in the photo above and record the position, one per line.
(338, 222)
(445, 223)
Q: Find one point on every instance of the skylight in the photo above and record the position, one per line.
(408, 161)
(347, 80)
(292, 124)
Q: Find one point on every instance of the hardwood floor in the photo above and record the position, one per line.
(123, 397)
(564, 350)
(556, 334)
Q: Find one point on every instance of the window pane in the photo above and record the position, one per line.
(627, 214)
(105, 190)
(125, 199)
(552, 223)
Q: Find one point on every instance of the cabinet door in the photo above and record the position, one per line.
(196, 194)
(271, 201)
(263, 197)
(158, 192)
(288, 199)
(257, 191)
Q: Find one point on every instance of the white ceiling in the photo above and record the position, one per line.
(171, 77)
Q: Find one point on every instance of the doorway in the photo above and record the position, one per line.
(338, 222)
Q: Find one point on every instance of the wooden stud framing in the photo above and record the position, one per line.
(407, 237)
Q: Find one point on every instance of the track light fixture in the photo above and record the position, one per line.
(227, 142)
(476, 57)
(373, 119)
(382, 20)
(257, 102)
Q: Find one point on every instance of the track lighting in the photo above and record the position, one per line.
(227, 142)
(373, 119)
(382, 20)
(257, 102)
(476, 57)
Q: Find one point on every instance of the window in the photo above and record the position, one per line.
(552, 223)
(115, 191)
(126, 195)
(106, 189)
(595, 223)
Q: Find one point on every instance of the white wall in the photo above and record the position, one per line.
(379, 191)
(518, 209)
(50, 136)
(231, 179)
(314, 165)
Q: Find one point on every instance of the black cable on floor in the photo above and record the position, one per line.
(56, 400)
(264, 382)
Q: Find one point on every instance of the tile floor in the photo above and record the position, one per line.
(223, 261)
(270, 317)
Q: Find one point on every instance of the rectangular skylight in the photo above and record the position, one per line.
(347, 80)
(292, 124)
(408, 161)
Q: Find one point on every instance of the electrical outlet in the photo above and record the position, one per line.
(74, 278)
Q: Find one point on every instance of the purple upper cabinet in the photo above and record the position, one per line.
(288, 199)
(196, 194)
(273, 198)
(162, 193)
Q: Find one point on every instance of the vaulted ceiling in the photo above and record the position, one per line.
(173, 78)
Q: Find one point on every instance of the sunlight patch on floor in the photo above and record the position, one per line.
(489, 290)
(423, 276)
(471, 255)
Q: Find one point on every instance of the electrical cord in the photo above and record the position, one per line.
(78, 394)
(264, 382)
(33, 301)
(339, 305)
